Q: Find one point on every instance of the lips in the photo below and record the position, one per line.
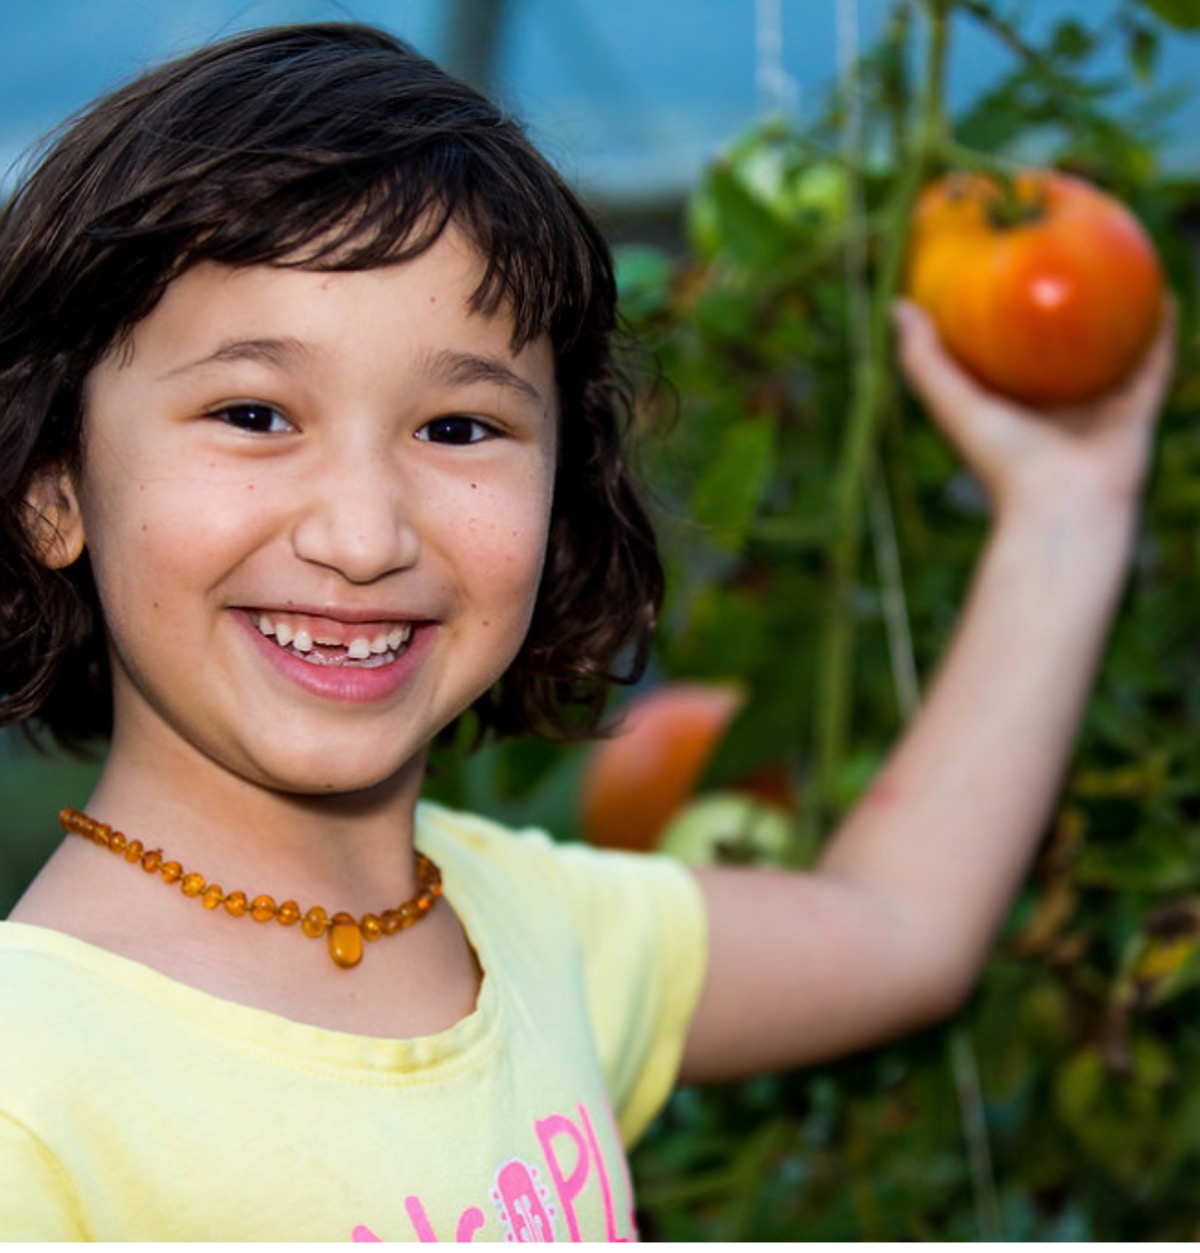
(325, 641)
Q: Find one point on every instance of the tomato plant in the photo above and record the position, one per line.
(1047, 289)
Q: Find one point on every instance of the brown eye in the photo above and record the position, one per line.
(455, 428)
(253, 416)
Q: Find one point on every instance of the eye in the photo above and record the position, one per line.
(456, 428)
(254, 416)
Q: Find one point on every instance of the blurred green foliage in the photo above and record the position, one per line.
(1065, 1102)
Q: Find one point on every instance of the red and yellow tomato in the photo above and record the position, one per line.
(635, 781)
(1049, 292)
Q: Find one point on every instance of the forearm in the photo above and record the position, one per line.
(943, 837)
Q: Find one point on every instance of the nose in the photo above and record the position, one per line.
(357, 516)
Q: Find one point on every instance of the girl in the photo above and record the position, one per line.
(310, 445)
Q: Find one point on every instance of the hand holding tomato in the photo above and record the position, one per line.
(1100, 447)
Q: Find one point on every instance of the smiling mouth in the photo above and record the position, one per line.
(325, 642)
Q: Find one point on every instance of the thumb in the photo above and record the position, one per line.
(942, 386)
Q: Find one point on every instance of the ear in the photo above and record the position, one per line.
(53, 518)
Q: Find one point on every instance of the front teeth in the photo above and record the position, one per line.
(359, 649)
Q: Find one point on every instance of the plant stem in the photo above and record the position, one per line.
(869, 397)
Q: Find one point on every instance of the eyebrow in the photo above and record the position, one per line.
(448, 364)
(452, 366)
(274, 352)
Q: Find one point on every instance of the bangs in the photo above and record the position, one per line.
(254, 169)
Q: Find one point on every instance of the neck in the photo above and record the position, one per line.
(353, 849)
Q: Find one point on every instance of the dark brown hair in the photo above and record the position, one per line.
(329, 146)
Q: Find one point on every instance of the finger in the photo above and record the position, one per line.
(943, 387)
(1139, 394)
(1149, 382)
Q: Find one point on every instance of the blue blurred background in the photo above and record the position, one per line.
(628, 97)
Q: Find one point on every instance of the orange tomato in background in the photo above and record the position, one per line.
(1051, 296)
(635, 781)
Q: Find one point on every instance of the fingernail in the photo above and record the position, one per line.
(904, 313)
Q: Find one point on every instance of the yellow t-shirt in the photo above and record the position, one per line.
(133, 1107)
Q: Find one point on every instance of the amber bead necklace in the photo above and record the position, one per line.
(344, 933)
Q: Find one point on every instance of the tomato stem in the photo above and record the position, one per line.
(870, 395)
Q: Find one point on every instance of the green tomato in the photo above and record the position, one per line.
(812, 198)
(728, 828)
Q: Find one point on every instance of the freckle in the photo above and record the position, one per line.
(154, 604)
(487, 622)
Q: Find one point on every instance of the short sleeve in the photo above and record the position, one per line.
(644, 937)
(36, 1201)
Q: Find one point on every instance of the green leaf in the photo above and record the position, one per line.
(746, 228)
(644, 276)
(1143, 51)
(731, 486)
(1071, 41)
(1182, 14)
(1149, 860)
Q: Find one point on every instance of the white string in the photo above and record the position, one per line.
(778, 91)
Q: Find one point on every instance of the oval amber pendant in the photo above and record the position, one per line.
(345, 941)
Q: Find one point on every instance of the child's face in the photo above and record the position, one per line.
(316, 506)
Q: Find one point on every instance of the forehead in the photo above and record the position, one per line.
(287, 317)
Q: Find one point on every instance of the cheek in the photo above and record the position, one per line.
(506, 553)
(508, 530)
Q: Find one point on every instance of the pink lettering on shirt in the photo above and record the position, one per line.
(574, 1158)
(522, 1204)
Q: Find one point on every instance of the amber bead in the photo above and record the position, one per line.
(289, 914)
(315, 922)
(345, 941)
(263, 908)
(346, 937)
(371, 927)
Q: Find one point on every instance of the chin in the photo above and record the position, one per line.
(331, 774)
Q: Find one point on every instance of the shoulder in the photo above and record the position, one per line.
(474, 849)
(627, 933)
(54, 1024)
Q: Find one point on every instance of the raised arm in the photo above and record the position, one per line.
(891, 928)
